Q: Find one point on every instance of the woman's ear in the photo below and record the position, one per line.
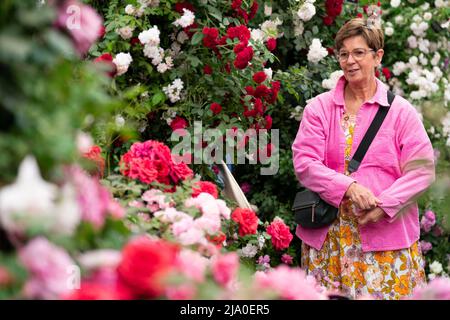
(379, 56)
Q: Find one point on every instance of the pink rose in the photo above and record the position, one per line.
(280, 233)
(49, 268)
(425, 246)
(81, 22)
(225, 268)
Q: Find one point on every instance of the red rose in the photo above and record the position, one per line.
(95, 155)
(280, 233)
(134, 41)
(101, 32)
(183, 5)
(240, 46)
(215, 108)
(181, 171)
(259, 77)
(271, 44)
(334, 7)
(178, 123)
(253, 10)
(250, 90)
(247, 220)
(359, 15)
(207, 69)
(274, 91)
(210, 37)
(142, 169)
(268, 120)
(205, 186)
(217, 239)
(258, 106)
(236, 4)
(377, 73)
(145, 263)
(107, 59)
(262, 91)
(98, 291)
(387, 73)
(241, 32)
(328, 21)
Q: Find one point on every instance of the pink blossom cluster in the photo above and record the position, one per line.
(95, 201)
(428, 221)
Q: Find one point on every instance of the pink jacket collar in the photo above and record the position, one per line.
(380, 96)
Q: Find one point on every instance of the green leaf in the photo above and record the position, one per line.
(158, 98)
(198, 36)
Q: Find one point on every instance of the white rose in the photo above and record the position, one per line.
(427, 16)
(389, 31)
(436, 267)
(306, 11)
(267, 10)
(399, 19)
(122, 62)
(395, 3)
(130, 9)
(316, 51)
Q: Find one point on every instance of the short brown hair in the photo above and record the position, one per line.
(358, 27)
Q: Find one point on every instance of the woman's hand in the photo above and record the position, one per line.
(362, 197)
(373, 216)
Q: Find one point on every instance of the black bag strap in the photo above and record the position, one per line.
(370, 134)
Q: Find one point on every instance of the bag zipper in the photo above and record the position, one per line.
(312, 217)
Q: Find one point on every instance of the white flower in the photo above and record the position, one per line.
(150, 36)
(28, 201)
(389, 31)
(186, 19)
(249, 251)
(316, 51)
(395, 3)
(120, 121)
(269, 27)
(427, 16)
(67, 214)
(399, 19)
(398, 68)
(122, 61)
(424, 44)
(412, 42)
(261, 241)
(333, 79)
(267, 10)
(306, 11)
(436, 267)
(413, 60)
(423, 60)
(269, 73)
(155, 53)
(425, 6)
(125, 32)
(162, 67)
(130, 9)
(173, 90)
(258, 35)
(83, 141)
(440, 3)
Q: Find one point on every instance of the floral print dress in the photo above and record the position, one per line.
(341, 264)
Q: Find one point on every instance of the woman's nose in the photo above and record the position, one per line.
(350, 59)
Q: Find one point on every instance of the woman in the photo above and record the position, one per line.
(372, 247)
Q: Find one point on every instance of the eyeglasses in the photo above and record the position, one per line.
(358, 54)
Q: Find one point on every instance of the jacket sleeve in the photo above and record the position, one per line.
(417, 166)
(308, 150)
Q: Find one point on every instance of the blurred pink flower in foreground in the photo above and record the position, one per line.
(49, 267)
(81, 22)
(288, 283)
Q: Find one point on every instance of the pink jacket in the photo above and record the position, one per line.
(398, 166)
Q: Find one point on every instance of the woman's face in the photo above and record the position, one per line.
(359, 67)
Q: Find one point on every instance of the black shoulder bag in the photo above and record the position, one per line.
(313, 212)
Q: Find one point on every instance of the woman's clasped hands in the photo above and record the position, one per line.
(366, 201)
